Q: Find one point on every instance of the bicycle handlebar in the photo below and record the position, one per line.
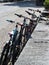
(18, 15)
(31, 13)
(23, 16)
(35, 10)
(32, 20)
(10, 21)
(28, 12)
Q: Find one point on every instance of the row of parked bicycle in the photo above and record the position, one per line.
(18, 39)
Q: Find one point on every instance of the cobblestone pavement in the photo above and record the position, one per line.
(7, 11)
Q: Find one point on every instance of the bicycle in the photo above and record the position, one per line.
(22, 30)
(7, 49)
(40, 17)
(28, 27)
(16, 46)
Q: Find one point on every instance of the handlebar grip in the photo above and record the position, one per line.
(30, 9)
(28, 12)
(10, 21)
(18, 15)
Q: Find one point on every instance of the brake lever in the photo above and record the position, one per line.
(10, 21)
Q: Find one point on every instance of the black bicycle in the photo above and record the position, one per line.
(6, 53)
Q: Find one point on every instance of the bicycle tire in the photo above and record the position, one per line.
(4, 54)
